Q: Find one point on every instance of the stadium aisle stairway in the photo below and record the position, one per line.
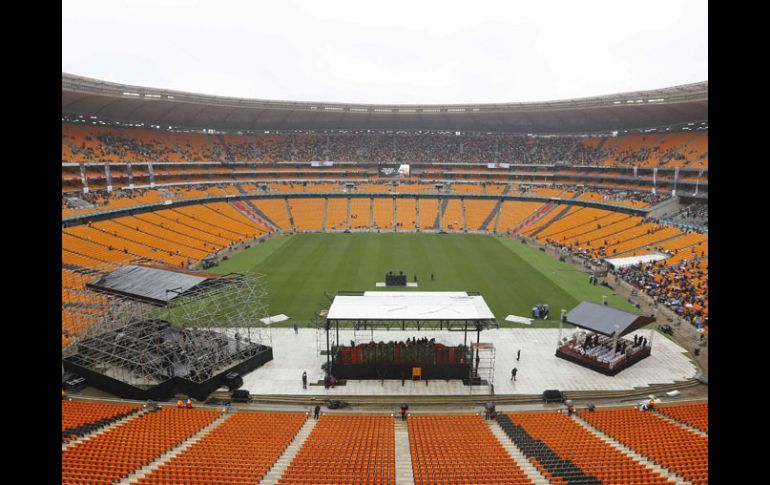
(452, 218)
(383, 213)
(359, 213)
(283, 462)
(406, 214)
(692, 415)
(337, 214)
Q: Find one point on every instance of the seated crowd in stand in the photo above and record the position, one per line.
(696, 214)
(87, 143)
(413, 351)
(605, 350)
(683, 288)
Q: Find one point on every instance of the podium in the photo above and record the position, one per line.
(392, 279)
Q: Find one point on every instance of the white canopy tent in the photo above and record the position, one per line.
(632, 260)
(411, 305)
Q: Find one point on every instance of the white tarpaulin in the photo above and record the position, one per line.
(515, 319)
(274, 319)
(409, 293)
(413, 305)
(632, 260)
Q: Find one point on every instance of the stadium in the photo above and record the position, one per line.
(261, 291)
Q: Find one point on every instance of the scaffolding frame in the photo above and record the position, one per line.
(197, 335)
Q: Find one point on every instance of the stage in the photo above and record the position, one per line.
(539, 368)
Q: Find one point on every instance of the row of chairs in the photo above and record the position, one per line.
(667, 444)
(592, 455)
(242, 449)
(459, 449)
(80, 418)
(346, 449)
(695, 415)
(118, 452)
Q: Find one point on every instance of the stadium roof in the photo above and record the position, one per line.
(605, 320)
(152, 285)
(87, 97)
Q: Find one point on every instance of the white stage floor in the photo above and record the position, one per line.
(539, 369)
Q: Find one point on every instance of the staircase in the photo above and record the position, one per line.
(261, 216)
(326, 208)
(395, 222)
(243, 208)
(404, 470)
(631, 453)
(291, 217)
(492, 215)
(371, 212)
(495, 214)
(417, 211)
(497, 218)
(545, 226)
(283, 462)
(681, 424)
(229, 154)
(171, 454)
(534, 217)
(462, 210)
(526, 466)
(440, 215)
(347, 221)
(601, 144)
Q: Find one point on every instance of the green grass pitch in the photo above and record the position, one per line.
(511, 276)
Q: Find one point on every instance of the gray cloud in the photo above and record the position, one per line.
(389, 52)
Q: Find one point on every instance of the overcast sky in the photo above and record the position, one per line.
(390, 51)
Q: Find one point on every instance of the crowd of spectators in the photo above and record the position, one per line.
(414, 148)
(696, 213)
(682, 287)
(100, 198)
(610, 194)
(157, 146)
(85, 143)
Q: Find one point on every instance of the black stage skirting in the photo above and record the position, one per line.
(170, 387)
(399, 371)
(601, 367)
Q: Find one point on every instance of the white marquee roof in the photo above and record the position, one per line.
(632, 260)
(412, 305)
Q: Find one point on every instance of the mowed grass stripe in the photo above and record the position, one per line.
(564, 275)
(511, 276)
(247, 260)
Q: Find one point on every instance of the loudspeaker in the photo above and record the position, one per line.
(233, 380)
(75, 384)
(241, 395)
(553, 395)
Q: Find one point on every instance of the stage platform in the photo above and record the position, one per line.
(539, 368)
